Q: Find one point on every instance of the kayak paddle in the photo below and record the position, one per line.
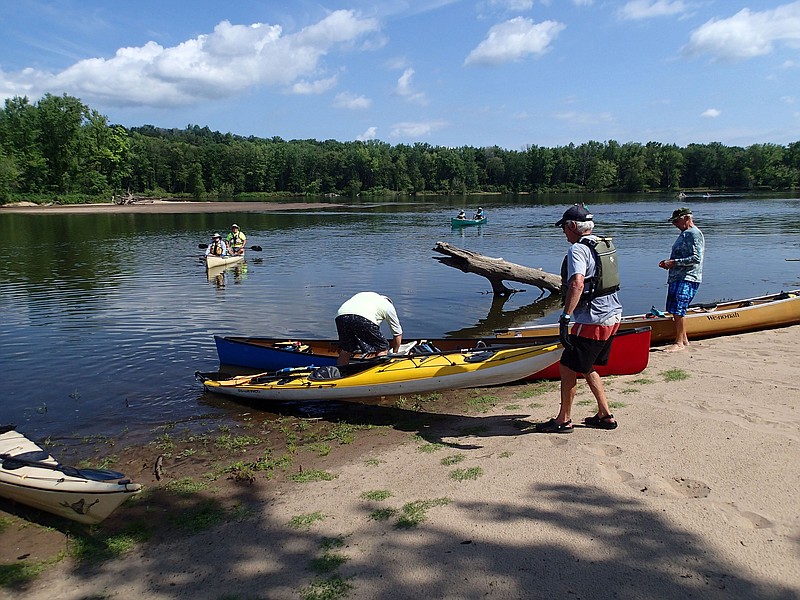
(255, 248)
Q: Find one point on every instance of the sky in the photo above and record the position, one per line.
(507, 73)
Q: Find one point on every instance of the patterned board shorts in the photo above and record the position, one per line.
(358, 335)
(679, 296)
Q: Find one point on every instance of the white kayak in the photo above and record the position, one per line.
(222, 261)
(30, 476)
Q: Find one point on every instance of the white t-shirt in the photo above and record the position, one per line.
(372, 306)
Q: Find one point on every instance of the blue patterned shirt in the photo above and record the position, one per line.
(687, 252)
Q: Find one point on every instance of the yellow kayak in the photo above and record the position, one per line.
(412, 374)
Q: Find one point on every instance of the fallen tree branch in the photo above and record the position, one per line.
(496, 270)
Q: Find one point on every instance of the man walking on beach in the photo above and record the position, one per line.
(685, 266)
(590, 277)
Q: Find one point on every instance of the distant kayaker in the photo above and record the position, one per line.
(358, 323)
(478, 214)
(236, 240)
(217, 247)
(461, 214)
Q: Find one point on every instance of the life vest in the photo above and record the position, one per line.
(236, 240)
(605, 280)
(216, 248)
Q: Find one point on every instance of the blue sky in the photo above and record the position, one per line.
(510, 73)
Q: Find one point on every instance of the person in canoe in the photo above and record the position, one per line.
(217, 247)
(478, 214)
(358, 323)
(236, 240)
(461, 215)
(685, 266)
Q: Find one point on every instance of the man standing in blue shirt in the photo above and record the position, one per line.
(685, 266)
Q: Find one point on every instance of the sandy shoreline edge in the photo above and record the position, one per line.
(695, 495)
(161, 206)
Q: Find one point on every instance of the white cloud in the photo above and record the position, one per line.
(513, 40)
(747, 34)
(711, 113)
(415, 130)
(351, 101)
(647, 9)
(319, 86)
(370, 134)
(215, 65)
(405, 88)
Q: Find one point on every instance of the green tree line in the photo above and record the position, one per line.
(59, 147)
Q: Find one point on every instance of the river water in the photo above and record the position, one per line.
(105, 318)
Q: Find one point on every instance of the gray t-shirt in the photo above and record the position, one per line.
(580, 259)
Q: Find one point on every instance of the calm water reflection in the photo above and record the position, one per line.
(106, 317)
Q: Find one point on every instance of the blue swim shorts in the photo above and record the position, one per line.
(679, 296)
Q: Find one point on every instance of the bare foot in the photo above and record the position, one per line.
(675, 348)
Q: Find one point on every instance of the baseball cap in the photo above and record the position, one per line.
(678, 213)
(576, 212)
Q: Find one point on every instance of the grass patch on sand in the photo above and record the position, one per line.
(331, 588)
(482, 404)
(453, 459)
(246, 471)
(204, 515)
(675, 375)
(466, 474)
(96, 549)
(414, 513)
(374, 462)
(22, 572)
(185, 487)
(311, 475)
(328, 562)
(537, 389)
(382, 514)
(235, 443)
(376, 495)
(305, 521)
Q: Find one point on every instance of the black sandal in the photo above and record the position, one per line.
(598, 422)
(552, 427)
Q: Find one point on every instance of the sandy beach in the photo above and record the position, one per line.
(695, 495)
(158, 206)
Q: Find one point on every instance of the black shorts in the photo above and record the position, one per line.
(358, 335)
(584, 353)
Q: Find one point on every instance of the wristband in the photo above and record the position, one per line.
(566, 316)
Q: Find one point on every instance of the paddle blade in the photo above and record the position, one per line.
(202, 246)
(256, 248)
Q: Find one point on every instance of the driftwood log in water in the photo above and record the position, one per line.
(496, 270)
